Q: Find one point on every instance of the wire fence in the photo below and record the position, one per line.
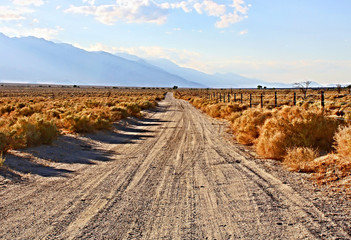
(332, 103)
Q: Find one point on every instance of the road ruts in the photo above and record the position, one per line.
(183, 180)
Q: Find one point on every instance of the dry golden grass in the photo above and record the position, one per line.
(295, 127)
(32, 116)
(343, 142)
(300, 159)
(333, 168)
(2, 159)
(247, 126)
(336, 167)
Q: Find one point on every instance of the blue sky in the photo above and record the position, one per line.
(273, 40)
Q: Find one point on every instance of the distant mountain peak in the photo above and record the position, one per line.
(35, 60)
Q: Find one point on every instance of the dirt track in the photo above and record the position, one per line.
(171, 175)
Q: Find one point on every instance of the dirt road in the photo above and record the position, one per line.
(171, 175)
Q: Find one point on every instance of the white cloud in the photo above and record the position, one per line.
(210, 7)
(28, 2)
(150, 11)
(132, 11)
(91, 2)
(185, 6)
(243, 32)
(228, 14)
(13, 14)
(240, 6)
(239, 13)
(46, 33)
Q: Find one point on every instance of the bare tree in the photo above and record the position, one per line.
(303, 86)
(338, 88)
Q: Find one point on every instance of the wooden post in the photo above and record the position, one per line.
(261, 100)
(220, 97)
(241, 99)
(234, 97)
(294, 98)
(250, 100)
(322, 101)
(228, 97)
(275, 99)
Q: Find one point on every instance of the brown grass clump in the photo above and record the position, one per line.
(214, 110)
(333, 168)
(31, 132)
(336, 167)
(247, 126)
(300, 159)
(295, 127)
(343, 142)
(2, 159)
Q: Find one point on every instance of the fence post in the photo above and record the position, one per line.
(241, 99)
(234, 97)
(224, 97)
(250, 100)
(228, 97)
(220, 97)
(322, 100)
(275, 99)
(261, 100)
(294, 98)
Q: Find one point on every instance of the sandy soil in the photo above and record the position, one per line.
(174, 174)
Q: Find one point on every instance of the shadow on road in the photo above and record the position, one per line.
(75, 149)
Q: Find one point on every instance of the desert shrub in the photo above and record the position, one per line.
(230, 108)
(26, 111)
(233, 116)
(295, 127)
(343, 141)
(331, 168)
(2, 159)
(146, 105)
(300, 159)
(54, 113)
(214, 110)
(21, 105)
(118, 113)
(133, 109)
(197, 102)
(3, 142)
(7, 109)
(247, 126)
(47, 130)
(78, 124)
(31, 132)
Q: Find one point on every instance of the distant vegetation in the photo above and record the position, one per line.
(303, 134)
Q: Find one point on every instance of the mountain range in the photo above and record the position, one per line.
(35, 60)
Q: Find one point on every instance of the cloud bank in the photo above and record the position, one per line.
(150, 11)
